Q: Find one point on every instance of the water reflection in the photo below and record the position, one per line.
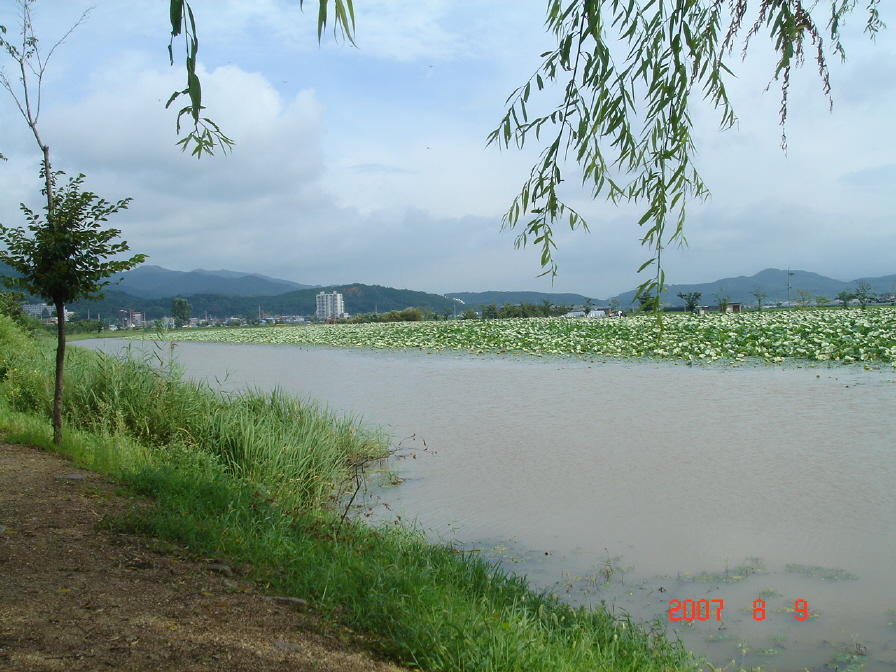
(574, 471)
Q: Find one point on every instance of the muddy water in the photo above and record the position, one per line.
(639, 483)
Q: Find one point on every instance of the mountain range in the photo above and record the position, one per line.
(149, 289)
(153, 282)
(771, 281)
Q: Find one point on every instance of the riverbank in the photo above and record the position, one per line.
(567, 471)
(223, 486)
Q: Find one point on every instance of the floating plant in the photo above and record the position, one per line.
(823, 573)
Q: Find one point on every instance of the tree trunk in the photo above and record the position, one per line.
(48, 178)
(60, 368)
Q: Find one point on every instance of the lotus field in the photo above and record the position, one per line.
(851, 335)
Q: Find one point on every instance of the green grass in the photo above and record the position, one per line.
(249, 478)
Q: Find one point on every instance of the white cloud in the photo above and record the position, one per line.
(370, 164)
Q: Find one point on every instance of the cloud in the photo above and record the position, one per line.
(880, 179)
(370, 164)
(376, 168)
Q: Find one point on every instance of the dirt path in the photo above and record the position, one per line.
(76, 597)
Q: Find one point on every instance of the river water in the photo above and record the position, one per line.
(638, 484)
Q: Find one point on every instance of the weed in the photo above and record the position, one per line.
(823, 573)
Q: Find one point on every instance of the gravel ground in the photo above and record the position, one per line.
(76, 596)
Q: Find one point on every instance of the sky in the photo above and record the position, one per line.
(370, 163)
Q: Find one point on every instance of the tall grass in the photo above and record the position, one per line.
(426, 606)
(246, 477)
(295, 449)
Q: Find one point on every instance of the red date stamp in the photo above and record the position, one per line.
(704, 610)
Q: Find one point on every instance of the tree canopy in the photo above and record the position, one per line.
(64, 258)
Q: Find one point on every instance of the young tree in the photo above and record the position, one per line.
(760, 295)
(11, 304)
(647, 301)
(804, 298)
(845, 297)
(65, 256)
(181, 310)
(863, 293)
(723, 298)
(588, 305)
(65, 259)
(691, 299)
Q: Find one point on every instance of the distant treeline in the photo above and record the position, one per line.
(524, 309)
(489, 312)
(358, 299)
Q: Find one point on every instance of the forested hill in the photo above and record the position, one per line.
(358, 299)
(155, 282)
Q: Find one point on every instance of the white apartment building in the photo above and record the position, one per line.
(329, 306)
(37, 309)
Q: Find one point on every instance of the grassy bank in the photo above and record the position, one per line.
(249, 478)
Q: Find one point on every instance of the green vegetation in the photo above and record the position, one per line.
(406, 315)
(823, 573)
(250, 478)
(742, 572)
(691, 299)
(11, 306)
(181, 310)
(773, 336)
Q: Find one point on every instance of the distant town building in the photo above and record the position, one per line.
(130, 319)
(39, 310)
(44, 312)
(594, 313)
(329, 306)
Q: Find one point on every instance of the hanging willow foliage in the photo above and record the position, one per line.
(628, 71)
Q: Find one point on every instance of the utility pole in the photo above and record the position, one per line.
(789, 274)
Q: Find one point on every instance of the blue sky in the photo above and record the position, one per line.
(370, 164)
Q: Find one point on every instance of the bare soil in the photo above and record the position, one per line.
(75, 595)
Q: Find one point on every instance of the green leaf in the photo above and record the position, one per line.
(176, 11)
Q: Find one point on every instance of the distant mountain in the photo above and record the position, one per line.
(237, 274)
(476, 299)
(772, 281)
(224, 293)
(152, 282)
(358, 299)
